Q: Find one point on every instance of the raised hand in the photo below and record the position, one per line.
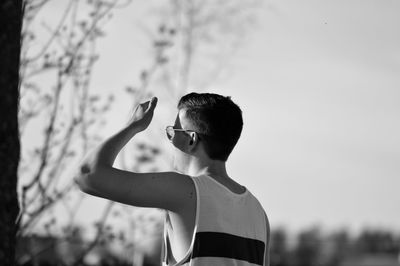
(143, 114)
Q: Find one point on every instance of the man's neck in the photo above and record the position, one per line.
(213, 168)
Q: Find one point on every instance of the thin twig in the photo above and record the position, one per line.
(55, 33)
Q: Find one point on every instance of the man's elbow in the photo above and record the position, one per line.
(84, 180)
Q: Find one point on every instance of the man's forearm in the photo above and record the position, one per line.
(93, 177)
(105, 154)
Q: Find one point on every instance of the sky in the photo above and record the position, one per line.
(319, 86)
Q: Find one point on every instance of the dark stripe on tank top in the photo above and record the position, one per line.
(216, 244)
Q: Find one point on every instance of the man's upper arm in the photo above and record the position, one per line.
(164, 190)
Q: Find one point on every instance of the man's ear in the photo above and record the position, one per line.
(194, 138)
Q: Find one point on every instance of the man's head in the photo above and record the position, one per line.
(214, 123)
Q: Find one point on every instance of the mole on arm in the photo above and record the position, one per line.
(85, 169)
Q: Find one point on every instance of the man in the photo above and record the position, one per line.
(210, 219)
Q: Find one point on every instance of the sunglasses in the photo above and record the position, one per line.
(170, 131)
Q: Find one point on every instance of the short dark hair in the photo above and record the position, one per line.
(217, 119)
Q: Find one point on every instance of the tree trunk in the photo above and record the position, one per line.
(10, 47)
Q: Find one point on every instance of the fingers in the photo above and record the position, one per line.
(152, 104)
(149, 105)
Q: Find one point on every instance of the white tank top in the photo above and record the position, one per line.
(230, 229)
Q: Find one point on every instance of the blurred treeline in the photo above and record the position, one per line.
(314, 247)
(306, 248)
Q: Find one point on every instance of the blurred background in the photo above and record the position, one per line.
(317, 81)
